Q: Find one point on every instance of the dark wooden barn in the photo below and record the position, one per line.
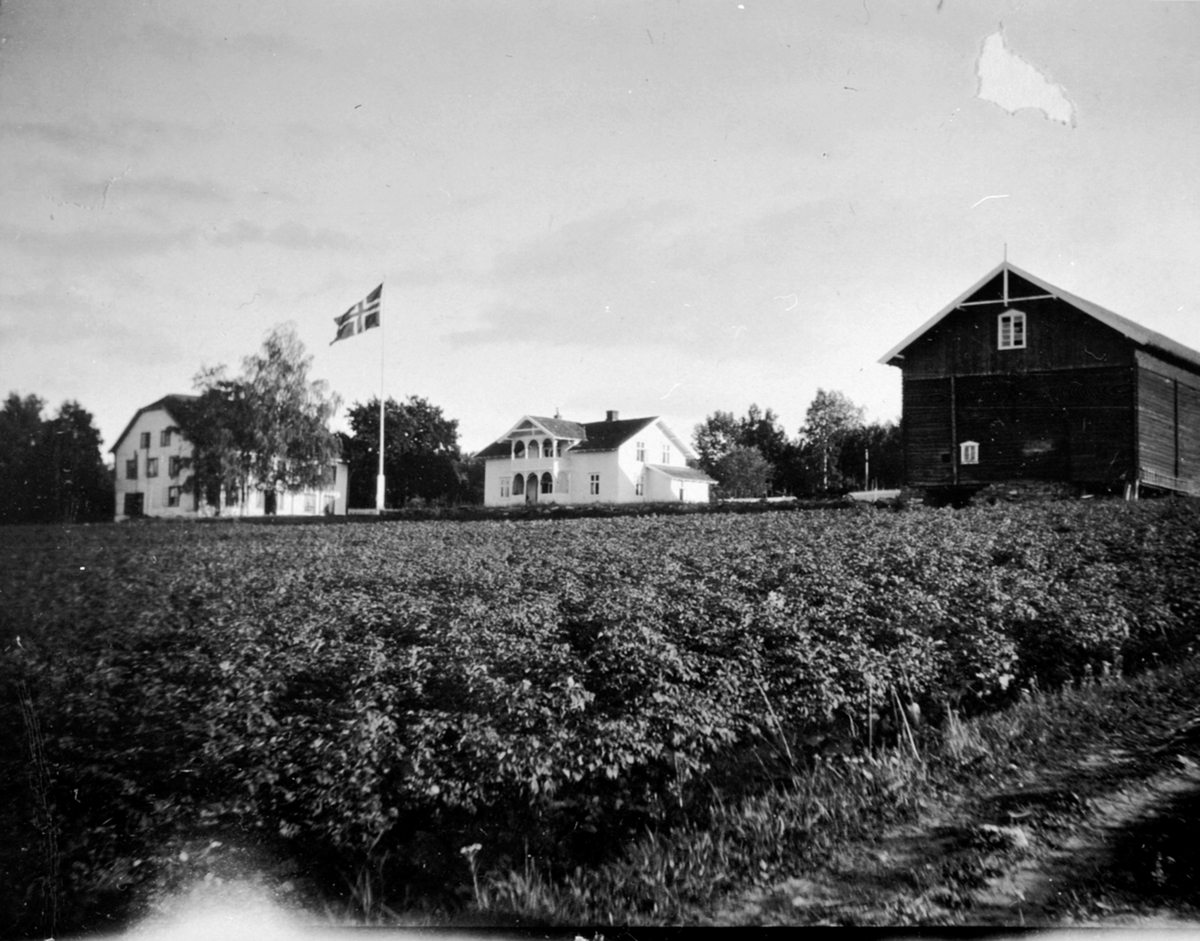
(1018, 379)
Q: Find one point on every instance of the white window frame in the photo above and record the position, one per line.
(666, 454)
(639, 488)
(968, 452)
(506, 486)
(641, 451)
(1011, 331)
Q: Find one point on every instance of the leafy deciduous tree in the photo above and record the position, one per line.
(421, 455)
(266, 428)
(51, 470)
(721, 434)
(873, 454)
(831, 416)
(743, 472)
(715, 437)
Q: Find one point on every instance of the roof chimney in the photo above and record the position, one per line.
(611, 415)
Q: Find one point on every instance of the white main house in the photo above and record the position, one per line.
(551, 460)
(151, 473)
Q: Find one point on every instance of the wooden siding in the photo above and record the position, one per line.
(1057, 336)
(925, 431)
(1062, 425)
(1189, 434)
(1168, 415)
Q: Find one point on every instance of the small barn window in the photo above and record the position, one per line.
(1012, 330)
(968, 452)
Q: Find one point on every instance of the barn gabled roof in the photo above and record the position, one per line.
(1123, 325)
(167, 403)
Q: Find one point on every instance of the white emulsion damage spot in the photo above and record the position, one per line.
(1007, 80)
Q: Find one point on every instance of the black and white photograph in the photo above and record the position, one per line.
(578, 468)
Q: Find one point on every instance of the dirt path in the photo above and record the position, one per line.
(1107, 835)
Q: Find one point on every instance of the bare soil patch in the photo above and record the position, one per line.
(1106, 832)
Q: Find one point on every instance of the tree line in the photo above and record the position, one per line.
(51, 469)
(267, 427)
(834, 451)
(264, 427)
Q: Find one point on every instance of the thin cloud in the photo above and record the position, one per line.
(85, 135)
(636, 276)
(131, 189)
(290, 235)
(182, 42)
(55, 317)
(94, 242)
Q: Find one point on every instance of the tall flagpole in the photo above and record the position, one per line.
(380, 480)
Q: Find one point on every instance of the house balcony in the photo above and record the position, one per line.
(527, 465)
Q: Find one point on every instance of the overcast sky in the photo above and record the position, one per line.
(660, 207)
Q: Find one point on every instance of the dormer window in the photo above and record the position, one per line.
(1012, 330)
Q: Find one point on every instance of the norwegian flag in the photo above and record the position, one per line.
(362, 316)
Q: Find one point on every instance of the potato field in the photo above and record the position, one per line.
(371, 698)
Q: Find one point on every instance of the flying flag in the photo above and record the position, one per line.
(362, 316)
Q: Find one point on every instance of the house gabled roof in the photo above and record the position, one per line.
(167, 402)
(592, 436)
(610, 435)
(681, 473)
(554, 427)
(1123, 325)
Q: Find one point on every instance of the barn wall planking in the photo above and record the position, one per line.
(1189, 433)
(1156, 423)
(1051, 426)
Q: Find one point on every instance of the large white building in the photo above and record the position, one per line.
(551, 460)
(151, 474)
